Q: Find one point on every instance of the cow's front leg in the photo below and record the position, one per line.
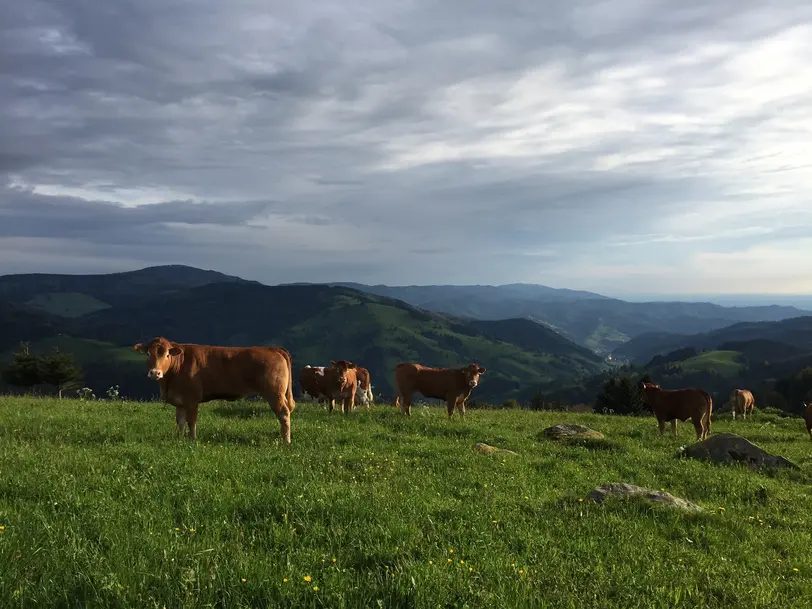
(661, 424)
(461, 407)
(191, 420)
(180, 419)
(674, 427)
(450, 403)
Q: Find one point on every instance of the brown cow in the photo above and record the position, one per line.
(341, 383)
(808, 418)
(742, 401)
(364, 384)
(189, 375)
(453, 385)
(311, 378)
(679, 405)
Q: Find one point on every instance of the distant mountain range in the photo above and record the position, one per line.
(592, 320)
(531, 338)
(99, 318)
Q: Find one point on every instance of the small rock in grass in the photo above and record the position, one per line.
(623, 490)
(730, 448)
(572, 432)
(487, 449)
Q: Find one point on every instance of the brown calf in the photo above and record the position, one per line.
(453, 385)
(340, 383)
(189, 375)
(679, 405)
(742, 401)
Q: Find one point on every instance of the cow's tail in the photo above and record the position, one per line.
(289, 396)
(708, 413)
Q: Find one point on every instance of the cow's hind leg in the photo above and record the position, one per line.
(450, 403)
(191, 420)
(661, 425)
(674, 427)
(461, 407)
(279, 404)
(699, 427)
(180, 419)
(406, 405)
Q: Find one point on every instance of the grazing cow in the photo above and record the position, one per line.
(679, 405)
(189, 375)
(365, 385)
(742, 401)
(453, 385)
(808, 418)
(341, 383)
(311, 378)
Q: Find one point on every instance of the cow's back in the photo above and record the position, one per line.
(435, 383)
(682, 403)
(231, 372)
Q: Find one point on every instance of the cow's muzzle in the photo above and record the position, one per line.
(155, 374)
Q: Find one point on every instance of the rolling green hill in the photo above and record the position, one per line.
(315, 323)
(724, 363)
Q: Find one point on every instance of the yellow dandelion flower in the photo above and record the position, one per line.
(2, 528)
(334, 558)
(242, 579)
(462, 562)
(521, 571)
(795, 570)
(470, 569)
(284, 580)
(316, 588)
(308, 579)
(722, 508)
(449, 560)
(451, 550)
(431, 562)
(580, 499)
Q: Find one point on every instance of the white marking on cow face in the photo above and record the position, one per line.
(320, 371)
(155, 374)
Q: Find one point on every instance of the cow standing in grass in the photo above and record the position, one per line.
(311, 378)
(341, 383)
(365, 386)
(189, 375)
(808, 418)
(453, 385)
(742, 401)
(679, 405)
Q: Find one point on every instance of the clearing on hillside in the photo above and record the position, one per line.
(101, 506)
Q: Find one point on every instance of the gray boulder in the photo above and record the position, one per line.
(623, 490)
(730, 448)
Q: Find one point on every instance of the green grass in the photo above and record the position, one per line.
(605, 338)
(722, 362)
(66, 304)
(102, 507)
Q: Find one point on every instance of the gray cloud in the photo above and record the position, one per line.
(587, 144)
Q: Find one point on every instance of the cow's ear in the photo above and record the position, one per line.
(351, 366)
(175, 350)
(482, 370)
(332, 363)
(139, 347)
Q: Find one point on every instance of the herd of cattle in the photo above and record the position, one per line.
(189, 375)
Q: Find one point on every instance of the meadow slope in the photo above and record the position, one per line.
(100, 506)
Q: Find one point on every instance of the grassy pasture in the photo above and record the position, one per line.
(100, 506)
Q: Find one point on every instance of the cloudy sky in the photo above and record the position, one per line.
(631, 146)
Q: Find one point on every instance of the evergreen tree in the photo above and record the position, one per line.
(24, 370)
(59, 370)
(621, 395)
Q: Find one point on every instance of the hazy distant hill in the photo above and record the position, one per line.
(315, 322)
(592, 320)
(795, 333)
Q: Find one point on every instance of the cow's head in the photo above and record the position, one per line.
(807, 408)
(343, 366)
(646, 389)
(472, 373)
(161, 354)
